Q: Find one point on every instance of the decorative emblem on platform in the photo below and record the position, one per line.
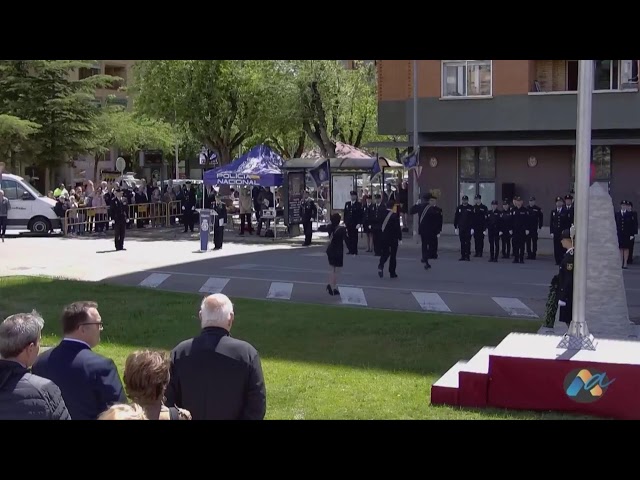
(204, 225)
(586, 386)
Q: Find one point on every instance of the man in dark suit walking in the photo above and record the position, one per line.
(215, 376)
(89, 382)
(390, 238)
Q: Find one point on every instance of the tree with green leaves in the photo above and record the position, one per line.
(130, 132)
(220, 102)
(60, 111)
(14, 135)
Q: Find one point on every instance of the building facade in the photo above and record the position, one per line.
(501, 128)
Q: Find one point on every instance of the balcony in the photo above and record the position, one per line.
(561, 76)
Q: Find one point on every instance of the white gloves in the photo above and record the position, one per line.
(500, 234)
(486, 232)
(526, 232)
(400, 242)
(438, 235)
(552, 235)
(561, 303)
(472, 231)
(457, 231)
(631, 237)
(510, 232)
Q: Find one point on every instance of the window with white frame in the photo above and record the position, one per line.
(466, 78)
(615, 74)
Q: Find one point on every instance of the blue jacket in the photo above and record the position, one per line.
(89, 382)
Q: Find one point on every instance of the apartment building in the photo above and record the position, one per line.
(501, 128)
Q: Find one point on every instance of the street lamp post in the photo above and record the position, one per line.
(416, 194)
(578, 336)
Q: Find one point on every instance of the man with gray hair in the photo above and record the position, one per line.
(24, 396)
(216, 376)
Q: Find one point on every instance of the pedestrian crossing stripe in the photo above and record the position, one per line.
(349, 295)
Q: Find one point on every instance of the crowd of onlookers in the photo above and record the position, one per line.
(212, 376)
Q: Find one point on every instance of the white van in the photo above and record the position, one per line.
(30, 210)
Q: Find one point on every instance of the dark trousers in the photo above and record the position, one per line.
(494, 244)
(352, 239)
(218, 236)
(308, 231)
(388, 252)
(532, 244)
(377, 247)
(189, 220)
(432, 241)
(120, 229)
(566, 313)
(478, 237)
(506, 245)
(465, 243)
(3, 225)
(558, 251)
(426, 251)
(245, 219)
(630, 261)
(518, 246)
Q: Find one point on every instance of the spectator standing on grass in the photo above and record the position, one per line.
(89, 382)
(5, 206)
(215, 376)
(24, 396)
(146, 376)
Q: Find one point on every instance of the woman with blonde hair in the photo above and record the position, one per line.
(123, 411)
(146, 376)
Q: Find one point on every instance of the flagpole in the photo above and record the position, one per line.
(416, 196)
(578, 336)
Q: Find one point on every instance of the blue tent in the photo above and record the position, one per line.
(259, 166)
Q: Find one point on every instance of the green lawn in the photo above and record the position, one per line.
(319, 362)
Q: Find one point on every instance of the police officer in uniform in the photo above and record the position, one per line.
(308, 211)
(519, 225)
(119, 211)
(353, 216)
(376, 216)
(493, 229)
(422, 210)
(568, 203)
(479, 224)
(634, 215)
(626, 231)
(565, 279)
(389, 238)
(220, 221)
(505, 228)
(463, 225)
(189, 208)
(559, 223)
(535, 224)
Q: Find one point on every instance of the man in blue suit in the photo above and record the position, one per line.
(89, 382)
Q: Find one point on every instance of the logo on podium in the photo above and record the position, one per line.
(586, 386)
(204, 225)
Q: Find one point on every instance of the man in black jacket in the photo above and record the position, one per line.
(429, 227)
(463, 225)
(215, 376)
(535, 224)
(89, 382)
(24, 396)
(390, 238)
(353, 216)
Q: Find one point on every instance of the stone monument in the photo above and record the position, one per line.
(607, 314)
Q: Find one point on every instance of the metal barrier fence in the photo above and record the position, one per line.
(89, 219)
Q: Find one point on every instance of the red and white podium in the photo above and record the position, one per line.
(529, 372)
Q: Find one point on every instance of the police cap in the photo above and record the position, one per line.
(188, 182)
(377, 195)
(566, 234)
(494, 202)
(568, 197)
(354, 193)
(625, 202)
(517, 198)
(558, 199)
(464, 197)
(478, 197)
(505, 201)
(532, 198)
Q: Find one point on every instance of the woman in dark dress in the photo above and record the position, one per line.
(335, 252)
